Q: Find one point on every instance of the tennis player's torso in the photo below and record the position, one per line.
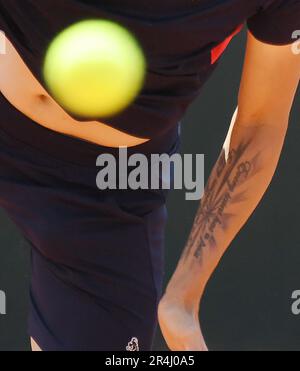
(24, 92)
(182, 45)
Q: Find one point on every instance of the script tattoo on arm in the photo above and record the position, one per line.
(222, 190)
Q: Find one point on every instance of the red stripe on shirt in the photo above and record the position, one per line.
(219, 49)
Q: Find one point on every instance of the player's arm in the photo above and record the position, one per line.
(238, 181)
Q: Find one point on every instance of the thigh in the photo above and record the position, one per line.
(108, 300)
(35, 347)
(97, 257)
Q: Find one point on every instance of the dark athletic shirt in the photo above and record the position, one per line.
(183, 41)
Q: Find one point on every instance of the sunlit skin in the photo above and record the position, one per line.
(30, 98)
(24, 91)
(35, 347)
(270, 79)
(253, 146)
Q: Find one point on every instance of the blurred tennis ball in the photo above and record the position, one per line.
(95, 68)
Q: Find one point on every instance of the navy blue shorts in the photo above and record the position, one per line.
(97, 256)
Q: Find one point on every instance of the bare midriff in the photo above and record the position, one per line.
(22, 90)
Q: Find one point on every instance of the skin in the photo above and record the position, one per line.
(237, 184)
(29, 97)
(35, 347)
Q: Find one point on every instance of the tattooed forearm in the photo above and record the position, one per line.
(221, 191)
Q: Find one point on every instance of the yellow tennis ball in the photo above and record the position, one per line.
(94, 68)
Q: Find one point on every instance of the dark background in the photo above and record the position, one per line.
(247, 305)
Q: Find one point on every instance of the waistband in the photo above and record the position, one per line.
(70, 149)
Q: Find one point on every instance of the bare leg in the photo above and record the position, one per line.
(35, 347)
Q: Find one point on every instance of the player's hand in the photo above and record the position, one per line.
(180, 327)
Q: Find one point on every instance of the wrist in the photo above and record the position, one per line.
(187, 299)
